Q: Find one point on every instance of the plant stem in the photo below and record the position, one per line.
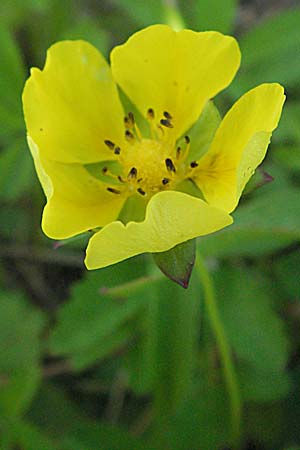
(224, 349)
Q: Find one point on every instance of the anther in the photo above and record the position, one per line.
(150, 114)
(132, 173)
(129, 120)
(194, 164)
(169, 165)
(129, 136)
(178, 151)
(104, 169)
(117, 151)
(165, 181)
(167, 115)
(120, 179)
(166, 123)
(109, 144)
(187, 139)
(113, 190)
(141, 191)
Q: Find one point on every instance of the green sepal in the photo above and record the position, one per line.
(177, 263)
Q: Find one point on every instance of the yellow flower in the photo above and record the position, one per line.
(162, 175)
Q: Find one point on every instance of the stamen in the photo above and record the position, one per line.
(169, 165)
(166, 123)
(109, 144)
(165, 181)
(132, 173)
(141, 191)
(194, 164)
(129, 136)
(129, 120)
(104, 169)
(178, 152)
(187, 139)
(113, 190)
(117, 151)
(150, 114)
(121, 179)
(167, 115)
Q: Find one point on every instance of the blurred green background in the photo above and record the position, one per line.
(84, 366)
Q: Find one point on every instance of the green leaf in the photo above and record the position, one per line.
(27, 436)
(258, 385)
(20, 327)
(67, 423)
(12, 78)
(286, 271)
(202, 421)
(177, 263)
(268, 50)
(265, 224)
(103, 315)
(163, 359)
(143, 13)
(16, 170)
(255, 331)
(18, 390)
(208, 15)
(288, 156)
(89, 30)
(289, 130)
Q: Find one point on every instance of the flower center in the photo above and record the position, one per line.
(153, 164)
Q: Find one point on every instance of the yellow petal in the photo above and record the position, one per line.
(171, 218)
(173, 71)
(72, 105)
(76, 201)
(239, 146)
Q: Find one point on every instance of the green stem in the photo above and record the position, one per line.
(173, 16)
(131, 286)
(223, 347)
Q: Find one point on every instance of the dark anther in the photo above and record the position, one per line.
(104, 169)
(165, 181)
(117, 151)
(129, 136)
(166, 123)
(178, 151)
(187, 139)
(169, 165)
(194, 164)
(150, 113)
(141, 191)
(167, 115)
(113, 190)
(132, 173)
(109, 144)
(139, 180)
(131, 117)
(120, 179)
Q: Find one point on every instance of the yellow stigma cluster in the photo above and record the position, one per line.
(150, 165)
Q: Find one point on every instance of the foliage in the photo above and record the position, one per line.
(123, 358)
